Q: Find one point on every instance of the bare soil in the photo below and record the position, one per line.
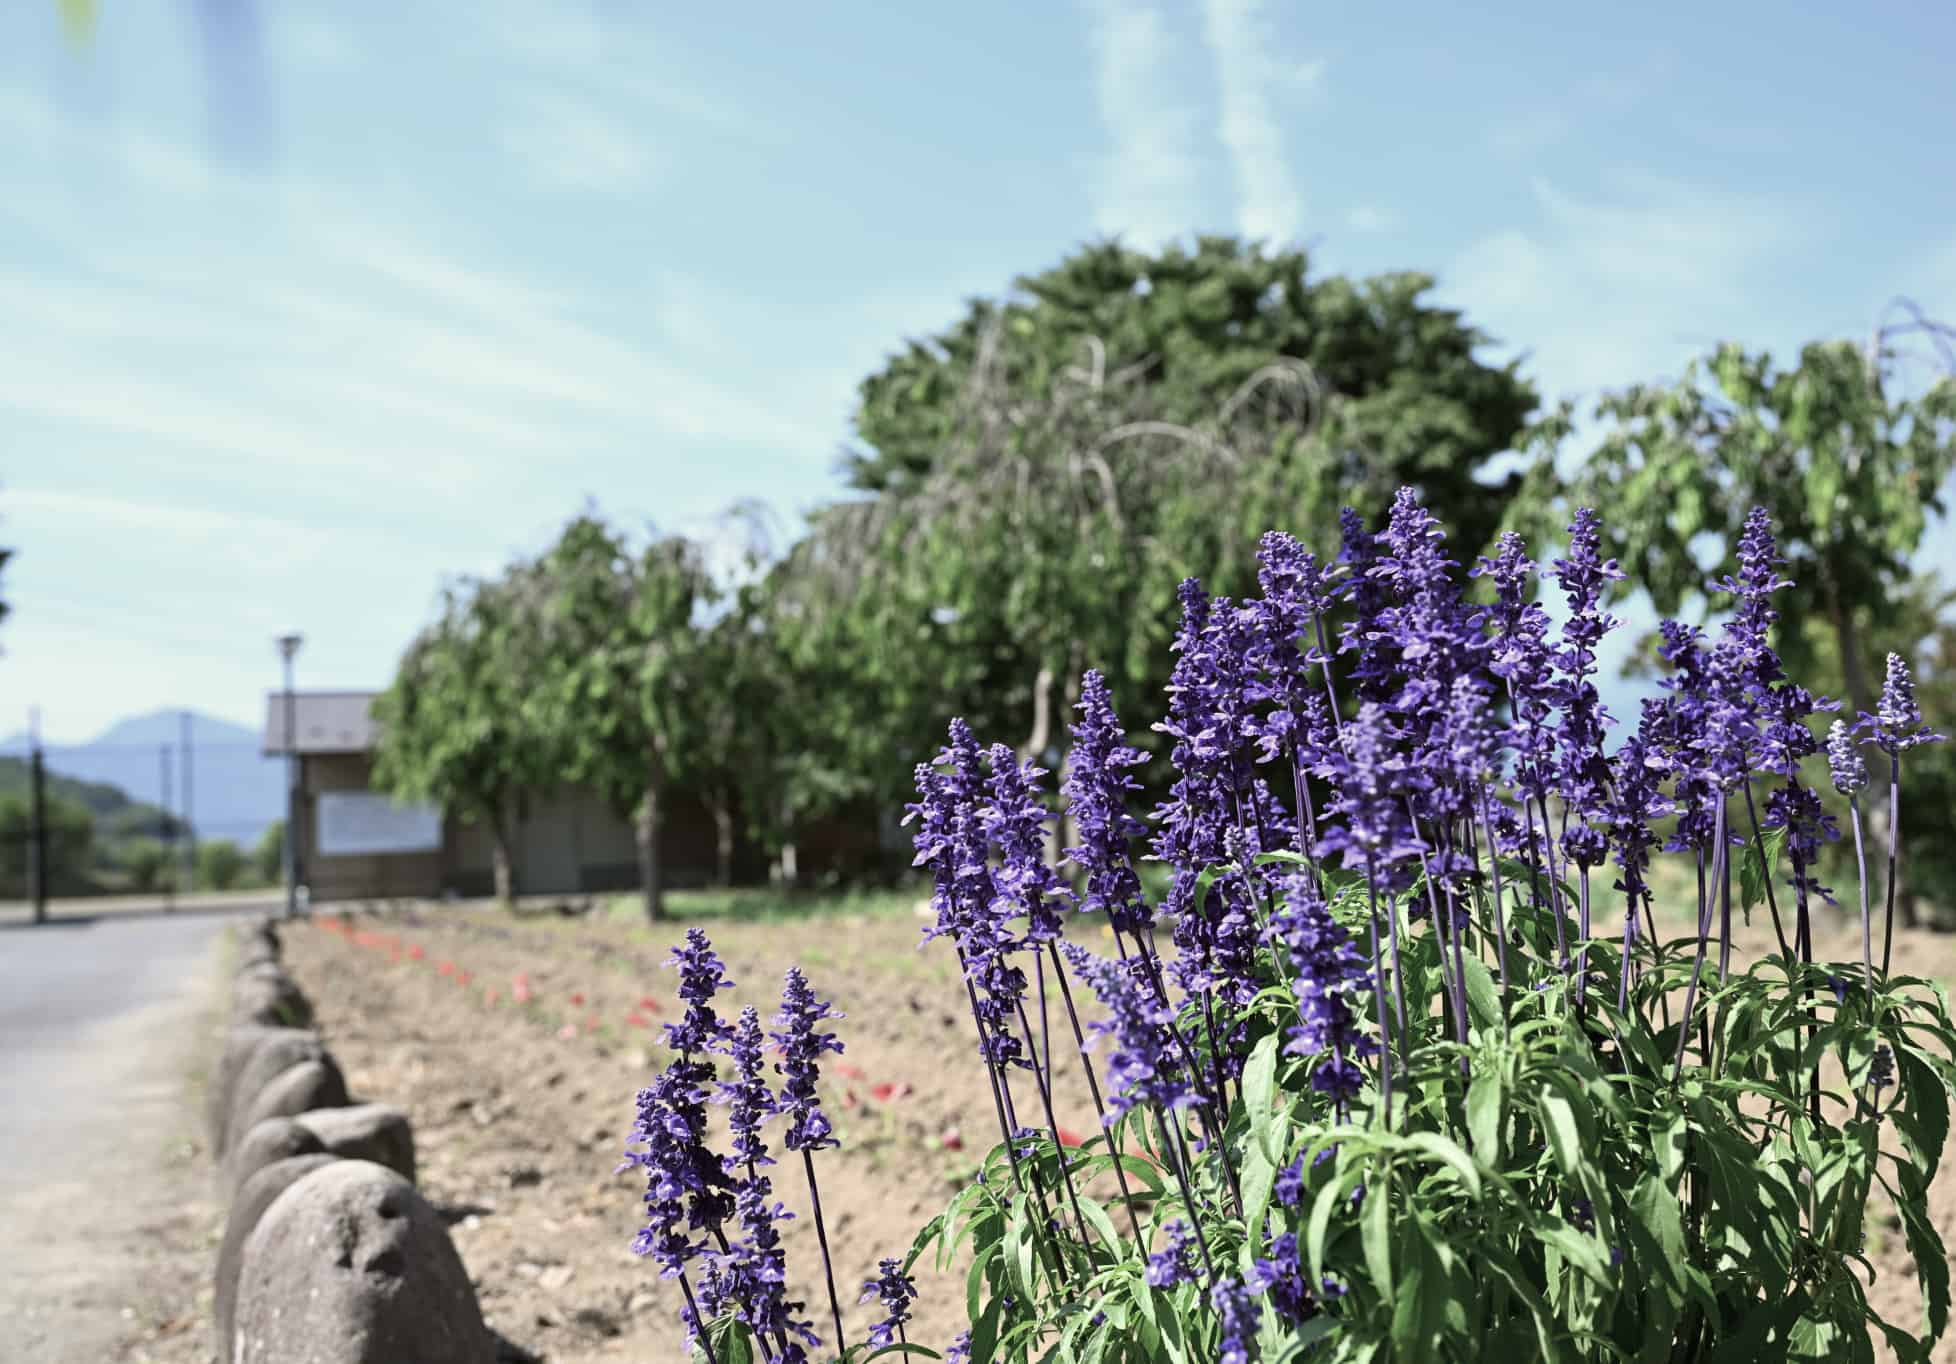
(517, 1046)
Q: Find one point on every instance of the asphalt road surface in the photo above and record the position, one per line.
(101, 1020)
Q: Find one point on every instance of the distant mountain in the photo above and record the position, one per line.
(234, 792)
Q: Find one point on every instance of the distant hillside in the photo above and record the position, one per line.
(234, 792)
(110, 806)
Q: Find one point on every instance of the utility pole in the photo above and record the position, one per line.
(168, 830)
(184, 785)
(37, 838)
(288, 645)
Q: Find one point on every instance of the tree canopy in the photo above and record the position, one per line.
(453, 727)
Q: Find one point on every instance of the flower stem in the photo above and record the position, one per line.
(822, 1235)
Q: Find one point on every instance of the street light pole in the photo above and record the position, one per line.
(288, 645)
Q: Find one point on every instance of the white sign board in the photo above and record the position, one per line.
(360, 823)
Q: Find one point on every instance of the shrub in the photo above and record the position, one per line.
(220, 864)
(1414, 1076)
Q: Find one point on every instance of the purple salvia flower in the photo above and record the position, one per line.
(1175, 1262)
(701, 976)
(1844, 762)
(1582, 772)
(1432, 637)
(686, 1189)
(1896, 726)
(1371, 672)
(960, 1351)
(1015, 823)
(753, 1272)
(1881, 1070)
(1145, 1066)
(1279, 1278)
(802, 1042)
(1237, 1315)
(1798, 810)
(749, 1101)
(895, 1291)
(1096, 789)
(1327, 968)
(1371, 777)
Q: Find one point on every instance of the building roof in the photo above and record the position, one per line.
(322, 722)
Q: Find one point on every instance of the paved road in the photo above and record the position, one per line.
(100, 1021)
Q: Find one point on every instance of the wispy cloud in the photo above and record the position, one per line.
(1370, 218)
(1612, 286)
(1269, 205)
(1145, 186)
(568, 142)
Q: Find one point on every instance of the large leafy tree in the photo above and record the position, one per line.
(623, 656)
(453, 723)
(1035, 480)
(1847, 456)
(1405, 398)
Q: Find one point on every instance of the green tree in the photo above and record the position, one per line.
(1403, 398)
(221, 863)
(454, 726)
(148, 864)
(1846, 460)
(268, 854)
(621, 649)
(1038, 477)
(70, 844)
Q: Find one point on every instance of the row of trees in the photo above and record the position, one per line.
(1027, 488)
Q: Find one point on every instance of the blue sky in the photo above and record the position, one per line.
(288, 341)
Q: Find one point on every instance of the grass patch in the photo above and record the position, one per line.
(762, 904)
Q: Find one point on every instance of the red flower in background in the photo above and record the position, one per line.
(951, 1140)
(886, 1091)
(489, 996)
(446, 968)
(462, 977)
(1068, 1137)
(417, 952)
(577, 999)
(847, 1071)
(649, 1004)
(637, 1019)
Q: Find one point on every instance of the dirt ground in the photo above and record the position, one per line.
(517, 1046)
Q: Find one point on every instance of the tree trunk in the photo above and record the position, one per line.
(651, 818)
(723, 843)
(1042, 716)
(1861, 699)
(502, 864)
(790, 871)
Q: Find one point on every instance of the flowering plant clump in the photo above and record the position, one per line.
(1406, 1063)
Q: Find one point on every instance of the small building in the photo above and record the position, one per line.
(355, 843)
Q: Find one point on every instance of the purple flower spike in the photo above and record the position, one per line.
(1236, 1309)
(1328, 969)
(1844, 762)
(1096, 788)
(1896, 726)
(1144, 1067)
(895, 1291)
(802, 1043)
(1175, 1262)
(1015, 823)
(701, 976)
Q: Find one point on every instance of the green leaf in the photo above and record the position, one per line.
(1564, 1136)
(1486, 1100)
(1754, 873)
(1483, 995)
(1447, 1151)
(1259, 1180)
(1375, 1233)
(1259, 1084)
